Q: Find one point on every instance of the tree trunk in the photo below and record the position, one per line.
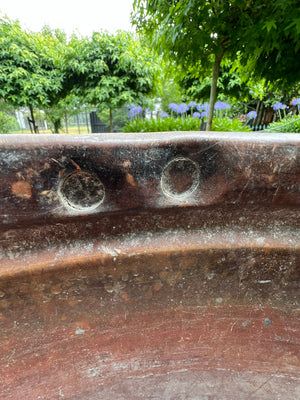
(57, 125)
(213, 89)
(86, 120)
(32, 120)
(110, 120)
(66, 123)
(260, 110)
(78, 124)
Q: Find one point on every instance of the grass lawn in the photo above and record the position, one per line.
(73, 130)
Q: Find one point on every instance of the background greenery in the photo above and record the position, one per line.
(184, 50)
(183, 124)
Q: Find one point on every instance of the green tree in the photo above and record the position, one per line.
(70, 105)
(168, 88)
(109, 71)
(196, 85)
(203, 32)
(7, 123)
(119, 117)
(276, 57)
(29, 75)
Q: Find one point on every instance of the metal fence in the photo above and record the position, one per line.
(86, 121)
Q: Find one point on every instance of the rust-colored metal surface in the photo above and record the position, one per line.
(150, 266)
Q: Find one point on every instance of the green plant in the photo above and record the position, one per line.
(229, 125)
(162, 125)
(182, 124)
(288, 124)
(7, 123)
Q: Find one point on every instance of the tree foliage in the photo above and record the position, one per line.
(109, 71)
(7, 123)
(197, 85)
(43, 70)
(276, 33)
(28, 68)
(69, 105)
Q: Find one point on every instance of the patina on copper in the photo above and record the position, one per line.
(156, 266)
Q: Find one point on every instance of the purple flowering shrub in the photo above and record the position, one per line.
(287, 123)
(134, 111)
(183, 117)
(279, 106)
(251, 115)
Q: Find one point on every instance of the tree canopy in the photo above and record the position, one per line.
(197, 85)
(276, 35)
(28, 68)
(44, 70)
(109, 70)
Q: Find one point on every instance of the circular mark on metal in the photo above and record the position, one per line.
(180, 178)
(82, 190)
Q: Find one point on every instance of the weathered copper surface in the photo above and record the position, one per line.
(150, 266)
